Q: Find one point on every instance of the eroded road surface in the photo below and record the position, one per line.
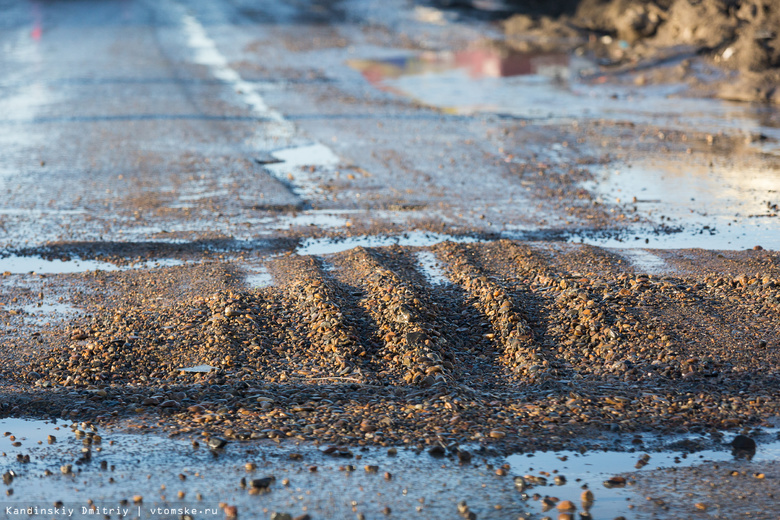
(325, 229)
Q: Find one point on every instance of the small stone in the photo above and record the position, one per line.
(250, 466)
(231, 311)
(437, 451)
(8, 477)
(559, 480)
(388, 475)
(700, 506)
(615, 482)
(66, 469)
(566, 506)
(386, 510)
(217, 443)
(137, 499)
(497, 434)
(464, 457)
(304, 516)
(262, 483)
(230, 511)
(587, 496)
(743, 443)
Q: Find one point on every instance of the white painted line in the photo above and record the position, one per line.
(293, 170)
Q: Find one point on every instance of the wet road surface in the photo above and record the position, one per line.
(367, 223)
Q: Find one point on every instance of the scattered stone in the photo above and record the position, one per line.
(437, 451)
(217, 443)
(615, 482)
(743, 443)
(566, 506)
(464, 457)
(262, 483)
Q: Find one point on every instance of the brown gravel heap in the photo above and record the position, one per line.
(359, 348)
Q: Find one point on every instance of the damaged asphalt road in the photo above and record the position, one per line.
(325, 230)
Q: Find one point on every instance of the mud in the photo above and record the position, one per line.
(739, 37)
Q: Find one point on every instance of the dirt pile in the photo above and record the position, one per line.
(739, 35)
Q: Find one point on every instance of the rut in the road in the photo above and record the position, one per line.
(414, 344)
(511, 330)
(322, 309)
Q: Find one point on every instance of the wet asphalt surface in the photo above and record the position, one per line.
(312, 210)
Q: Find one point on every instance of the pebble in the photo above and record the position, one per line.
(216, 443)
(262, 483)
(464, 457)
(566, 506)
(743, 443)
(615, 482)
(437, 451)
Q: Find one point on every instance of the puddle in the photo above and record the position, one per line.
(124, 465)
(330, 219)
(644, 261)
(594, 468)
(715, 207)
(320, 218)
(33, 264)
(198, 369)
(430, 266)
(326, 246)
(43, 312)
(543, 86)
(15, 264)
(259, 278)
(301, 166)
